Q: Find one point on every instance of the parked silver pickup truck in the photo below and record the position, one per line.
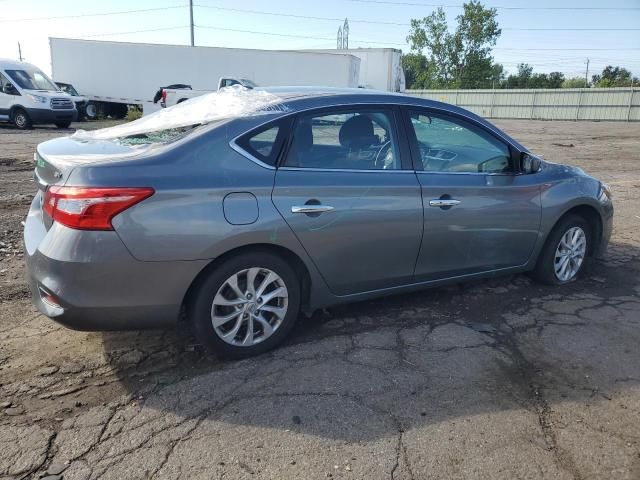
(173, 96)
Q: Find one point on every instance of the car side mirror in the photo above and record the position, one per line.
(530, 163)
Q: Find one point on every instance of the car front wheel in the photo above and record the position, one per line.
(563, 256)
(247, 305)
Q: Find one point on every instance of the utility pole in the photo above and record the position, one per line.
(345, 34)
(191, 21)
(586, 75)
(19, 52)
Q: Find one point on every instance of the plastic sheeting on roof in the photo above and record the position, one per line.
(230, 102)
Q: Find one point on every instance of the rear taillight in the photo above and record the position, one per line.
(91, 208)
(164, 96)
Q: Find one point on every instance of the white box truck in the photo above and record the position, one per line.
(118, 73)
(380, 68)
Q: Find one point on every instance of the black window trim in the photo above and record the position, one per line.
(514, 154)
(392, 110)
(284, 124)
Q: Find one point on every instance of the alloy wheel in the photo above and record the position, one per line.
(249, 306)
(570, 254)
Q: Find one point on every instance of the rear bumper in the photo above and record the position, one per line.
(42, 115)
(95, 282)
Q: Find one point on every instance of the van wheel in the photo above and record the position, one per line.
(21, 119)
(63, 124)
(247, 305)
(564, 254)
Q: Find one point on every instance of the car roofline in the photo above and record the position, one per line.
(301, 99)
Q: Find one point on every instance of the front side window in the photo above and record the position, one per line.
(66, 88)
(354, 140)
(32, 80)
(449, 144)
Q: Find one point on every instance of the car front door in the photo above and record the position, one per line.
(480, 213)
(347, 190)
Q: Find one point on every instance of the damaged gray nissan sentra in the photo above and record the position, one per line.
(237, 210)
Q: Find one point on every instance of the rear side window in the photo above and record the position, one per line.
(264, 143)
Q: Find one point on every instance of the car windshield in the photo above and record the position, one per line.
(32, 80)
(66, 88)
(248, 83)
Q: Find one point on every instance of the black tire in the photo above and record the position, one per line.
(91, 111)
(63, 124)
(201, 306)
(544, 271)
(118, 111)
(21, 120)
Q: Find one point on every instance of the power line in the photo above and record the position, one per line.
(82, 15)
(380, 22)
(329, 39)
(413, 4)
(134, 31)
(255, 32)
(306, 17)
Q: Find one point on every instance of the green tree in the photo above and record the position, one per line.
(614, 77)
(419, 73)
(522, 79)
(525, 78)
(575, 82)
(462, 58)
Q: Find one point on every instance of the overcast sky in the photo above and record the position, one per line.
(564, 50)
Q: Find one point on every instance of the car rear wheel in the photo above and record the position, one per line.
(247, 305)
(565, 252)
(21, 119)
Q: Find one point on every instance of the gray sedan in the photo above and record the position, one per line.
(237, 221)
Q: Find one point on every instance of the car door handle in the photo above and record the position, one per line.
(311, 209)
(443, 202)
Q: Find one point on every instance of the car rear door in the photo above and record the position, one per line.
(347, 190)
(480, 213)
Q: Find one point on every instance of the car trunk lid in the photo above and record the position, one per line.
(56, 159)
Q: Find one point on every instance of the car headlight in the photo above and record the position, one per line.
(605, 193)
(37, 98)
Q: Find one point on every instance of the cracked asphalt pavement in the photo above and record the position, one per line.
(502, 378)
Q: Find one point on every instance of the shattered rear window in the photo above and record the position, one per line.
(172, 123)
(162, 136)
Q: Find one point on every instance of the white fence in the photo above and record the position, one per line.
(621, 104)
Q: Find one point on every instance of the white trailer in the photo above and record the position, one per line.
(380, 68)
(130, 73)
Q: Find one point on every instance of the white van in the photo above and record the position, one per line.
(28, 97)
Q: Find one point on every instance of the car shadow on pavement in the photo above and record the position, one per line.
(377, 369)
